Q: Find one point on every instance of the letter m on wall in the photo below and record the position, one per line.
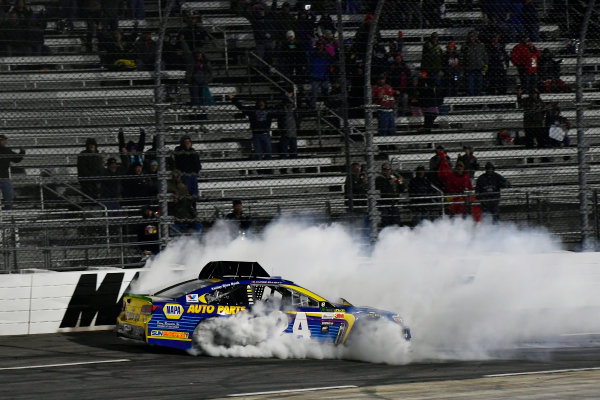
(88, 302)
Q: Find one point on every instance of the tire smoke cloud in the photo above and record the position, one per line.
(467, 291)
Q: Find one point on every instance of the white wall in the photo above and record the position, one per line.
(38, 302)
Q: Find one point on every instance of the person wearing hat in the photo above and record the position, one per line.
(320, 62)
(90, 169)
(383, 96)
(474, 59)
(457, 184)
(488, 188)
(452, 69)
(7, 156)
(111, 185)
(291, 60)
(469, 160)
(144, 51)
(434, 165)
(131, 153)
(432, 58)
(497, 66)
(421, 195)
(237, 214)
(187, 160)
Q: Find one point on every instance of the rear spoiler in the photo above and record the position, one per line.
(232, 270)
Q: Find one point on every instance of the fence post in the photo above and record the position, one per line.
(581, 144)
(159, 104)
(374, 216)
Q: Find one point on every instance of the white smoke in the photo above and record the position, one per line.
(467, 291)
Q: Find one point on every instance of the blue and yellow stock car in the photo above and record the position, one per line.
(170, 316)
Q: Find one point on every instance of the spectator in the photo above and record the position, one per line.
(262, 26)
(151, 169)
(173, 56)
(492, 29)
(187, 161)
(531, 20)
(525, 57)
(144, 52)
(19, 30)
(456, 182)
(474, 60)
(284, 20)
(361, 38)
(381, 58)
(111, 186)
(558, 128)
(549, 68)
(193, 34)
(198, 75)
(7, 156)
(288, 123)
(151, 154)
(432, 58)
(497, 67)
(331, 45)
(352, 6)
(452, 70)
(488, 189)
(469, 161)
(400, 80)
(421, 194)
(147, 232)
(326, 23)
(432, 13)
(237, 215)
(434, 166)
(292, 59)
(90, 169)
(357, 180)
(383, 96)
(260, 117)
(111, 10)
(138, 188)
(67, 12)
(136, 9)
(515, 20)
(115, 50)
(182, 207)
(93, 15)
(305, 27)
(389, 187)
(534, 112)
(320, 62)
(131, 153)
(429, 101)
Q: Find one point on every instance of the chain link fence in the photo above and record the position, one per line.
(285, 116)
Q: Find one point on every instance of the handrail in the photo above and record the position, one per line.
(225, 45)
(275, 71)
(441, 193)
(79, 192)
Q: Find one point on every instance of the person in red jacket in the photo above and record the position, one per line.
(525, 57)
(456, 182)
(383, 96)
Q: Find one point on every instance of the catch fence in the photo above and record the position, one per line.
(87, 78)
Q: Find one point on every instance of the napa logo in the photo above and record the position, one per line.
(172, 311)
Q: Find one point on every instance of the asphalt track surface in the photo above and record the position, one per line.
(97, 365)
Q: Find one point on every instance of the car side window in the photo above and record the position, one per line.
(236, 295)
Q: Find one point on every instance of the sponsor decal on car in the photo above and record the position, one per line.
(169, 334)
(338, 315)
(173, 311)
(327, 316)
(167, 324)
(210, 309)
(192, 298)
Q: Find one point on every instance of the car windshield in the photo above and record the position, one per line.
(183, 288)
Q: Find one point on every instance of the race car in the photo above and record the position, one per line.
(171, 316)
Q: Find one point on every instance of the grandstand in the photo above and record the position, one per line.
(52, 103)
